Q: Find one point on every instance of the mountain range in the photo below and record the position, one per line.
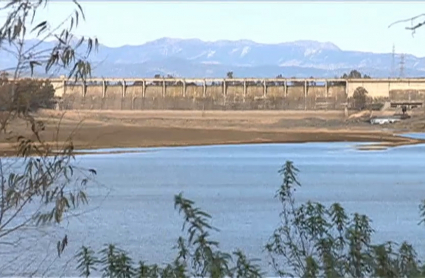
(245, 58)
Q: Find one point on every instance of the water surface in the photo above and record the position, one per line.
(418, 135)
(236, 185)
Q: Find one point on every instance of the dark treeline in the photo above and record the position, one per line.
(26, 94)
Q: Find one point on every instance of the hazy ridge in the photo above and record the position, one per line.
(197, 58)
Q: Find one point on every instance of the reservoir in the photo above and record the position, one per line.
(132, 204)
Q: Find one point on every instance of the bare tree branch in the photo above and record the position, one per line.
(413, 26)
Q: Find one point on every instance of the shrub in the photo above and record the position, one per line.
(311, 241)
(30, 95)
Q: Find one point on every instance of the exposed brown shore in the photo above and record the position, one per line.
(132, 129)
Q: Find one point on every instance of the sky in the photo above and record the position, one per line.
(355, 25)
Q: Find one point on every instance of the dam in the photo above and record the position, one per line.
(232, 94)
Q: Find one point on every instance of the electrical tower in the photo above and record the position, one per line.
(393, 63)
(402, 65)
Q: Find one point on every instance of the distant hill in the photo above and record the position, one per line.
(197, 58)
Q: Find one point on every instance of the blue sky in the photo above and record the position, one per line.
(361, 26)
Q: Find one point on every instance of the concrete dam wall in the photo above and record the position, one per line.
(228, 96)
(232, 94)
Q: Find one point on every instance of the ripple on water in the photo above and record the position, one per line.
(236, 185)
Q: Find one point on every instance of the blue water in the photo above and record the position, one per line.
(414, 135)
(236, 184)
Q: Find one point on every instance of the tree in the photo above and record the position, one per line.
(404, 109)
(327, 241)
(311, 83)
(197, 254)
(279, 83)
(352, 74)
(355, 74)
(230, 74)
(413, 26)
(31, 94)
(360, 98)
(317, 241)
(311, 240)
(48, 185)
(64, 54)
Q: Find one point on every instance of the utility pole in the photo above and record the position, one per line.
(402, 65)
(393, 63)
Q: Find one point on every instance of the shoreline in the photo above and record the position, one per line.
(99, 130)
(377, 141)
(373, 146)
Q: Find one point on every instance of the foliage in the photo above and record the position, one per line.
(317, 241)
(360, 98)
(21, 23)
(31, 95)
(43, 186)
(312, 240)
(354, 74)
(40, 189)
(197, 255)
